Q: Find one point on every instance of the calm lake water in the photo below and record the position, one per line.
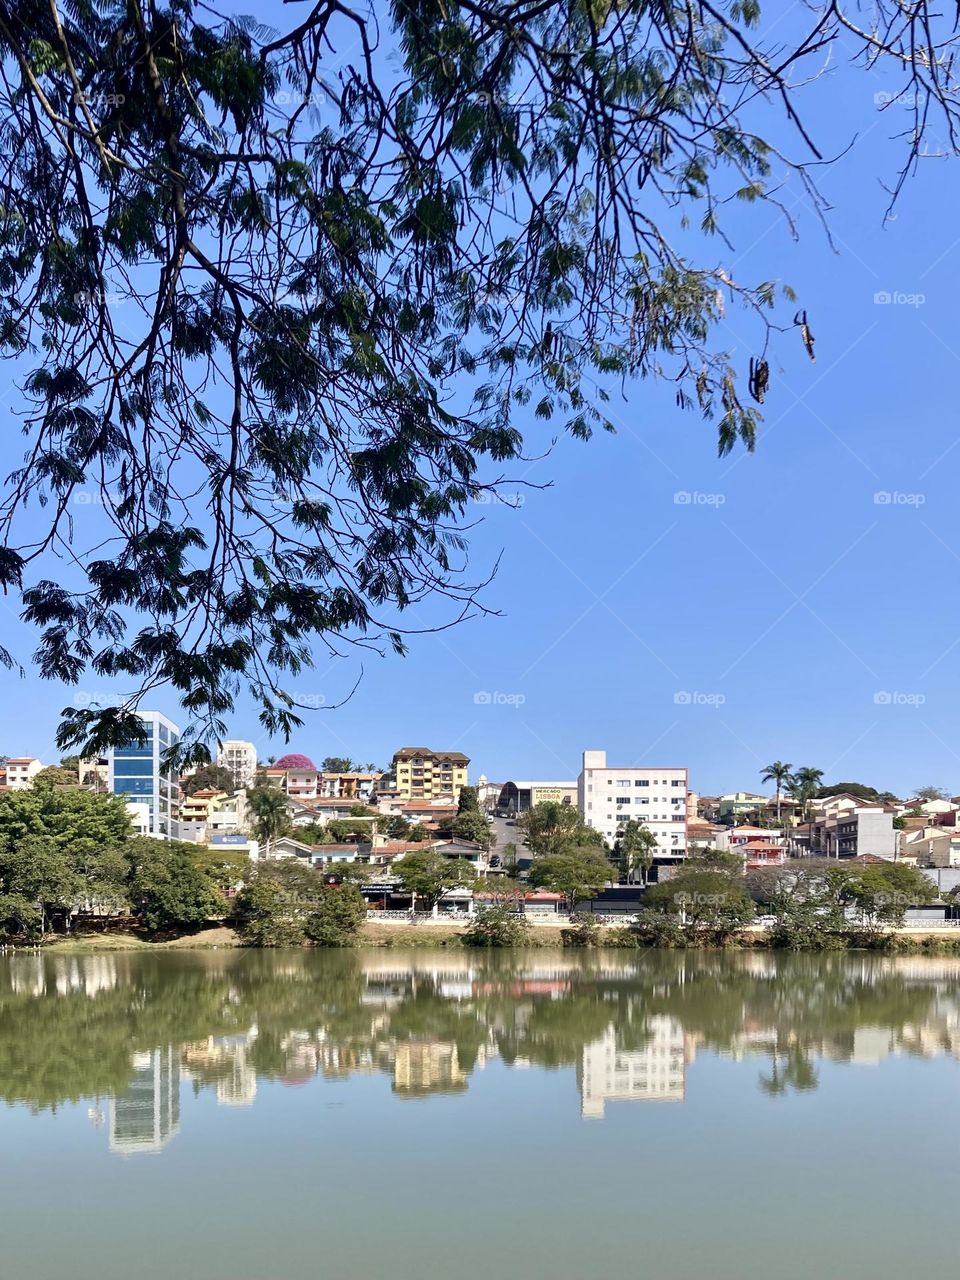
(365, 1114)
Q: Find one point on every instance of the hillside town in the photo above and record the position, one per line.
(341, 816)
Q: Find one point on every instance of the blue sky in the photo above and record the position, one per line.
(786, 610)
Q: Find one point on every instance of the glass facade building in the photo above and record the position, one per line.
(136, 772)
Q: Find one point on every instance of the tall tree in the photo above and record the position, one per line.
(635, 847)
(428, 874)
(338, 764)
(779, 774)
(245, 269)
(577, 873)
(271, 815)
(210, 777)
(803, 787)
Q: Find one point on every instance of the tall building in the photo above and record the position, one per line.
(423, 774)
(147, 1115)
(241, 759)
(656, 798)
(137, 772)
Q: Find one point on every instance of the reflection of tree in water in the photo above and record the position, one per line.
(68, 1026)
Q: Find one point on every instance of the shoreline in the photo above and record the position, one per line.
(448, 934)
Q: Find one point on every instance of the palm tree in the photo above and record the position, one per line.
(271, 813)
(804, 785)
(779, 774)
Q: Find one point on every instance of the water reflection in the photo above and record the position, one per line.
(127, 1032)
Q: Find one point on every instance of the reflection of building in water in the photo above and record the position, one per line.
(655, 1073)
(431, 1067)
(223, 1061)
(147, 1115)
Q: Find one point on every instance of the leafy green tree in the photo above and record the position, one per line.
(881, 893)
(803, 900)
(922, 793)
(779, 774)
(271, 815)
(80, 823)
(272, 426)
(19, 917)
(399, 828)
(635, 848)
(56, 776)
(711, 904)
(858, 789)
(39, 871)
(276, 902)
(577, 873)
(362, 811)
(338, 917)
(209, 777)
(467, 801)
(550, 826)
(170, 890)
(419, 833)
(428, 874)
(497, 925)
(339, 764)
(470, 824)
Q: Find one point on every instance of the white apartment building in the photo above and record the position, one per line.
(655, 797)
(21, 771)
(240, 758)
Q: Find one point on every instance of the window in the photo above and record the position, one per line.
(677, 782)
(642, 782)
(623, 782)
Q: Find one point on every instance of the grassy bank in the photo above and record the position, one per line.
(450, 935)
(92, 943)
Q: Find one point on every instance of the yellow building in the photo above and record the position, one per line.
(423, 774)
(199, 806)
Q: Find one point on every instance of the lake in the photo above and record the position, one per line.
(257, 1116)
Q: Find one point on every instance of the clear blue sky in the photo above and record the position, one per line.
(805, 620)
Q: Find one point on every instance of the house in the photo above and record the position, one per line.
(21, 771)
(358, 788)
(656, 797)
(702, 834)
(739, 805)
(933, 847)
(843, 826)
(197, 807)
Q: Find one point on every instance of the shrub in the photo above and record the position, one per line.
(338, 918)
(585, 932)
(496, 926)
